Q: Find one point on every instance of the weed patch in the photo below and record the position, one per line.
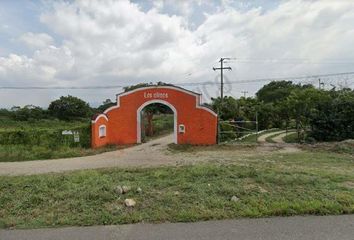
(185, 193)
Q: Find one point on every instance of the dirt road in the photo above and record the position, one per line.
(262, 138)
(152, 154)
(148, 154)
(279, 138)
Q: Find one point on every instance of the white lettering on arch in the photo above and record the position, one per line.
(159, 95)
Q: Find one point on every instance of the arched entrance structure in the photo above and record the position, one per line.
(121, 124)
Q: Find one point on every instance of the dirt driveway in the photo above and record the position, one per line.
(148, 154)
(263, 138)
(151, 154)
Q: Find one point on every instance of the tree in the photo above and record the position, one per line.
(266, 115)
(149, 112)
(28, 112)
(334, 118)
(141, 85)
(278, 91)
(5, 113)
(68, 108)
(229, 108)
(302, 104)
(105, 105)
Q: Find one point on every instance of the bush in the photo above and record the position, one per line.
(334, 120)
(50, 138)
(68, 108)
(227, 132)
(162, 123)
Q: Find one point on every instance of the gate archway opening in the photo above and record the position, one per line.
(140, 123)
(194, 123)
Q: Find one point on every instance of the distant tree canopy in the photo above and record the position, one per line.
(333, 118)
(325, 114)
(26, 113)
(29, 112)
(105, 105)
(69, 107)
(278, 91)
(140, 85)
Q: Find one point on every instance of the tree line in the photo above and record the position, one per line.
(65, 108)
(69, 108)
(316, 114)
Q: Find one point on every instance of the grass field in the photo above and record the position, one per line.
(43, 139)
(278, 184)
(14, 153)
(8, 124)
(163, 124)
(36, 140)
(291, 138)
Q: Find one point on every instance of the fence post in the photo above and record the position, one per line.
(218, 128)
(256, 126)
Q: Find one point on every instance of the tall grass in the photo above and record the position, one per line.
(289, 186)
(48, 137)
(43, 139)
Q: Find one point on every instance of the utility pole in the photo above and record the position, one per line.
(244, 93)
(221, 68)
(320, 84)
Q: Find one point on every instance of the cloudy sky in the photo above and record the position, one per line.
(104, 43)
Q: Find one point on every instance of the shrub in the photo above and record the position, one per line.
(50, 138)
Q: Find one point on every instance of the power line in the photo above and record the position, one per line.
(293, 60)
(59, 87)
(242, 81)
(270, 79)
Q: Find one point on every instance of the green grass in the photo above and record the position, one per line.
(54, 124)
(43, 139)
(319, 183)
(343, 147)
(14, 153)
(291, 138)
(162, 125)
(36, 140)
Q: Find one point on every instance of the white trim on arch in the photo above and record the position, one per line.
(138, 116)
(98, 117)
(197, 97)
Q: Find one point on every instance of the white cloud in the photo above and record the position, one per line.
(116, 42)
(36, 40)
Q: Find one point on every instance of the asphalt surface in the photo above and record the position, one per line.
(279, 228)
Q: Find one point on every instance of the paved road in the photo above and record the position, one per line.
(290, 228)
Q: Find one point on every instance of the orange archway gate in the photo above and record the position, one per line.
(121, 124)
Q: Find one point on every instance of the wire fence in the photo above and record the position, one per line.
(236, 130)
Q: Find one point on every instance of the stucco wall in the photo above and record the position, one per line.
(200, 122)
